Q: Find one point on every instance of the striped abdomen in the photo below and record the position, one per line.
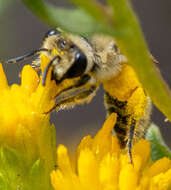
(121, 127)
(125, 120)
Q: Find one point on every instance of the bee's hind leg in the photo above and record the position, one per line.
(130, 139)
(81, 97)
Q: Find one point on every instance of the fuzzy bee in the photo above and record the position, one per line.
(93, 62)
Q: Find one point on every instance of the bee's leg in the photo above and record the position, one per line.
(44, 76)
(78, 85)
(81, 97)
(130, 139)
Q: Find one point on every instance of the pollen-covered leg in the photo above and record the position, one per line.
(78, 85)
(83, 96)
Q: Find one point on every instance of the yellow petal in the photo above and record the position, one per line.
(88, 170)
(29, 79)
(128, 178)
(59, 181)
(3, 79)
(85, 143)
(44, 61)
(142, 148)
(161, 181)
(159, 166)
(109, 172)
(63, 160)
(103, 140)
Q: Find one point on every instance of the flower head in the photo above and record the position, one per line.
(101, 164)
(26, 136)
(22, 108)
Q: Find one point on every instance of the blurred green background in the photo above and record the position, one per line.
(21, 31)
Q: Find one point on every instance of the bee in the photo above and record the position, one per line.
(91, 63)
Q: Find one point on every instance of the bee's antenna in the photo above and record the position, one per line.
(47, 69)
(27, 55)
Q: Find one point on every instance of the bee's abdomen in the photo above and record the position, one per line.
(121, 127)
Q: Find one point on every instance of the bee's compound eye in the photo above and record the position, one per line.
(52, 32)
(78, 67)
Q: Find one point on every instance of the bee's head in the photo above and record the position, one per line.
(71, 56)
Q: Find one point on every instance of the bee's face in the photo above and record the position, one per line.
(71, 60)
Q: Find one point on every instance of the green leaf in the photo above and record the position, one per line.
(10, 168)
(2, 182)
(36, 169)
(75, 21)
(72, 20)
(9, 158)
(95, 9)
(158, 147)
(38, 178)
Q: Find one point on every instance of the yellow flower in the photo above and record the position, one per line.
(27, 139)
(100, 164)
(23, 107)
